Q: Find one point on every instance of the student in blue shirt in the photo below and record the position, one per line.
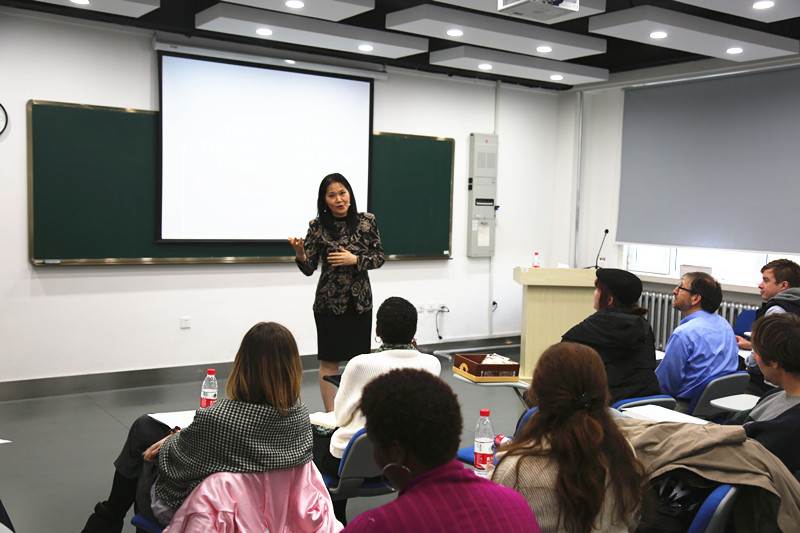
(702, 346)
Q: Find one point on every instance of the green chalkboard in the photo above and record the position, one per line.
(93, 191)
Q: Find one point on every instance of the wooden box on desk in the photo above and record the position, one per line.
(469, 365)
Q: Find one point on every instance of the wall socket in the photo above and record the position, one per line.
(186, 322)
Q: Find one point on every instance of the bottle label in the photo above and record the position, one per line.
(207, 402)
(207, 398)
(484, 458)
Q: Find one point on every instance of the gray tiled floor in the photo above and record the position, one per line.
(59, 463)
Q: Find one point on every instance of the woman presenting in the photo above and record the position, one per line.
(348, 244)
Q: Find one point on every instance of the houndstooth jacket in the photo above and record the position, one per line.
(231, 436)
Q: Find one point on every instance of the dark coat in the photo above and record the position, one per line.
(626, 344)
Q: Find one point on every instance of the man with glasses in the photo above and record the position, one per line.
(702, 346)
(780, 290)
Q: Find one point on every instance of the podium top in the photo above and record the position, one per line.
(555, 277)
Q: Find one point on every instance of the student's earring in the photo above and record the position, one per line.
(385, 479)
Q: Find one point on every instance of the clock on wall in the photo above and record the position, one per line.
(3, 119)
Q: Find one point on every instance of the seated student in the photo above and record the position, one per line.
(621, 335)
(702, 346)
(570, 462)
(262, 426)
(414, 421)
(396, 324)
(775, 420)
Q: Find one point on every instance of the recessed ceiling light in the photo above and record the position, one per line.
(455, 32)
(80, 2)
(544, 49)
(366, 47)
(658, 35)
(734, 50)
(556, 77)
(289, 61)
(485, 66)
(264, 32)
(764, 4)
(294, 4)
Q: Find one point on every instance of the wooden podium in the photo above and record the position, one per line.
(553, 300)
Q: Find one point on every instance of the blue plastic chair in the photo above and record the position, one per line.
(467, 455)
(744, 322)
(357, 471)
(658, 399)
(713, 514)
(141, 522)
(718, 387)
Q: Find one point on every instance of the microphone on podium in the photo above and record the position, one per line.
(597, 258)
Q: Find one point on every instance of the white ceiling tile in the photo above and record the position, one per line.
(782, 10)
(516, 65)
(321, 9)
(493, 32)
(692, 34)
(125, 8)
(241, 20)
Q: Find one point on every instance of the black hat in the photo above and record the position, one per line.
(624, 286)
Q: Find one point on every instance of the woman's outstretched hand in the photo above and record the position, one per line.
(151, 454)
(299, 250)
(342, 258)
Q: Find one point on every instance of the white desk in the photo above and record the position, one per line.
(516, 386)
(736, 403)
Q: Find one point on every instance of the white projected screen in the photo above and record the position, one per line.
(244, 148)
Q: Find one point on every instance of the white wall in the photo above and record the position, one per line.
(83, 320)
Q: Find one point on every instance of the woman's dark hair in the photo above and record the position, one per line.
(605, 296)
(267, 368)
(324, 214)
(574, 428)
(416, 409)
(396, 321)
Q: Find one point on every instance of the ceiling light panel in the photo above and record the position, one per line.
(587, 8)
(493, 32)
(782, 10)
(320, 9)
(692, 34)
(244, 21)
(125, 8)
(516, 65)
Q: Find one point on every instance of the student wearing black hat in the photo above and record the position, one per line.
(620, 334)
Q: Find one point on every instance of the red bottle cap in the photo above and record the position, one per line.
(211, 372)
(484, 412)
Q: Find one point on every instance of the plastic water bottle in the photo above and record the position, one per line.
(484, 439)
(536, 263)
(208, 393)
(500, 440)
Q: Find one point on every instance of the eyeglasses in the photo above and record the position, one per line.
(682, 288)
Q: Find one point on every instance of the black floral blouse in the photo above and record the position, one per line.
(338, 286)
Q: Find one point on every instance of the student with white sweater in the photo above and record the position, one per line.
(396, 324)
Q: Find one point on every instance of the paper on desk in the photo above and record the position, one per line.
(320, 418)
(656, 413)
(179, 419)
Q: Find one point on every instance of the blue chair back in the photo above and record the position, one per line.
(358, 473)
(141, 522)
(713, 514)
(659, 399)
(744, 322)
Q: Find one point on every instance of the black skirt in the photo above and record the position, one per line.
(341, 337)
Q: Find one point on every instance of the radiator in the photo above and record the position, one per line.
(663, 318)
